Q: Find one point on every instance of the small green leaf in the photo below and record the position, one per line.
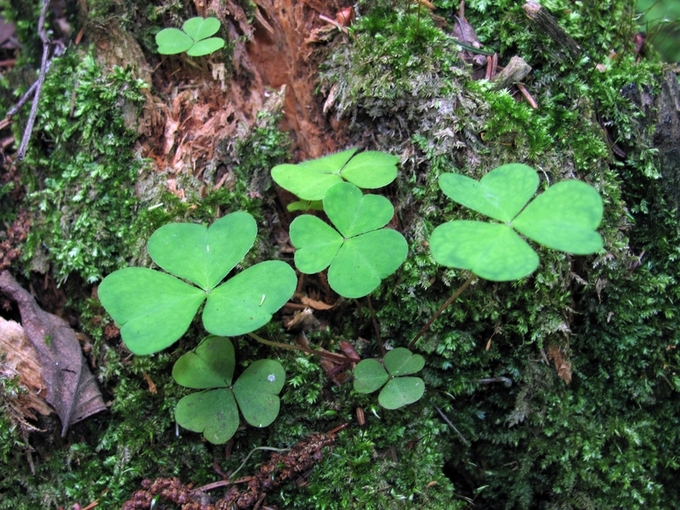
(490, 250)
(401, 361)
(247, 301)
(203, 255)
(401, 391)
(369, 376)
(317, 243)
(354, 213)
(153, 309)
(210, 365)
(364, 261)
(199, 28)
(500, 194)
(172, 41)
(213, 413)
(206, 46)
(257, 391)
(310, 180)
(371, 169)
(564, 217)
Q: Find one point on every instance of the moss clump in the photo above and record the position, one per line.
(81, 184)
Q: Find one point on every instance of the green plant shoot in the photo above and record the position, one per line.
(154, 309)
(311, 180)
(564, 217)
(359, 251)
(398, 390)
(213, 411)
(194, 38)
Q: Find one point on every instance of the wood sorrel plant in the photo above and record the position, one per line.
(194, 38)
(154, 309)
(360, 253)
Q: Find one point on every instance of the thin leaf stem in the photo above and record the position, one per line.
(455, 295)
(328, 355)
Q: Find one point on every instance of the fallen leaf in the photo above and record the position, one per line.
(313, 303)
(70, 387)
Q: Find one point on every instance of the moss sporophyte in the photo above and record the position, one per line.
(154, 309)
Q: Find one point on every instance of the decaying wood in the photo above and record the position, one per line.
(545, 22)
(516, 70)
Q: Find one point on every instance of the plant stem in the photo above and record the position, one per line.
(442, 308)
(328, 355)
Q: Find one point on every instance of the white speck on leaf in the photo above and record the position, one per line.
(271, 378)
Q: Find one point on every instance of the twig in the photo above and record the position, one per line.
(446, 419)
(39, 84)
(328, 355)
(442, 308)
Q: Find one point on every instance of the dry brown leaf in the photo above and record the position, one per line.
(317, 305)
(70, 387)
(562, 362)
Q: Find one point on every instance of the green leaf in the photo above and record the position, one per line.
(401, 391)
(364, 261)
(206, 46)
(310, 180)
(199, 28)
(210, 365)
(172, 41)
(354, 213)
(371, 169)
(247, 301)
(212, 412)
(401, 361)
(564, 218)
(153, 309)
(490, 250)
(500, 194)
(257, 391)
(369, 376)
(317, 243)
(365, 256)
(203, 255)
(305, 205)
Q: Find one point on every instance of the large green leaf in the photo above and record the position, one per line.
(247, 301)
(500, 194)
(401, 391)
(172, 41)
(354, 213)
(371, 169)
(210, 365)
(310, 180)
(257, 391)
(364, 261)
(153, 309)
(203, 255)
(401, 361)
(369, 376)
(317, 243)
(490, 250)
(199, 28)
(213, 412)
(564, 218)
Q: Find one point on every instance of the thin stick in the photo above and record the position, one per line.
(375, 325)
(442, 308)
(328, 355)
(21, 153)
(446, 419)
